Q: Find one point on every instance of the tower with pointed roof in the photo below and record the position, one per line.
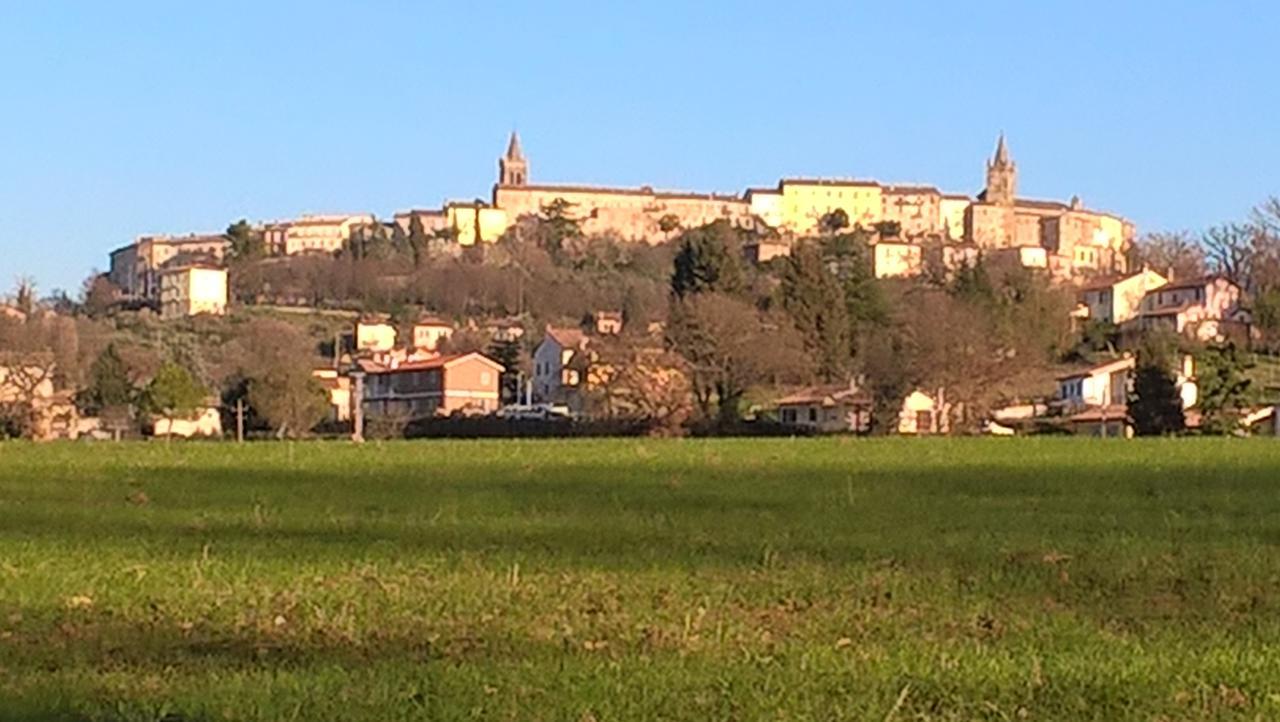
(1002, 176)
(513, 167)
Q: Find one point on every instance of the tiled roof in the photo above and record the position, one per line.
(566, 337)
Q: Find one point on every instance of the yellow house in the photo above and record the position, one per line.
(1116, 300)
(805, 201)
(892, 259)
(475, 222)
(193, 290)
(375, 335)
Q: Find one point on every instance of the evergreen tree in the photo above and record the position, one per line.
(507, 353)
(246, 241)
(109, 384)
(709, 260)
(173, 392)
(418, 241)
(812, 296)
(1224, 388)
(1155, 406)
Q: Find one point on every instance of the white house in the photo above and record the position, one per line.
(559, 366)
(1204, 308)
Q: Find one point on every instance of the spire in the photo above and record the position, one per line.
(513, 148)
(1002, 152)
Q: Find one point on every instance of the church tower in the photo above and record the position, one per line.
(1002, 177)
(513, 168)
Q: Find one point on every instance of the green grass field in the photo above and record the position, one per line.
(818, 579)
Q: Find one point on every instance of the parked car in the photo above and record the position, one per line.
(535, 412)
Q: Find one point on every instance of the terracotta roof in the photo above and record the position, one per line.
(566, 337)
(432, 321)
(369, 366)
(1105, 282)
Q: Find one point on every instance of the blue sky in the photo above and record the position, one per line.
(124, 118)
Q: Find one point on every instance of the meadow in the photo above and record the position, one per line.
(594, 580)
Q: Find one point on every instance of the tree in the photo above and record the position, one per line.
(246, 242)
(1233, 252)
(173, 393)
(709, 260)
(24, 295)
(558, 226)
(731, 346)
(418, 240)
(669, 223)
(109, 385)
(1224, 388)
(98, 295)
(290, 400)
(1171, 254)
(833, 221)
(276, 369)
(507, 353)
(1155, 404)
(812, 296)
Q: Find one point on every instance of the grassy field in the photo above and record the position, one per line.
(1043, 579)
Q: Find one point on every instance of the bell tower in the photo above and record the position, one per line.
(1002, 176)
(513, 168)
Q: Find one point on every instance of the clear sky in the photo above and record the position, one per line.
(121, 118)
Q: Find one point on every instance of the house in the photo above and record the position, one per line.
(1117, 299)
(439, 386)
(430, 332)
(1095, 401)
(375, 334)
(505, 330)
(192, 290)
(845, 408)
(608, 323)
(827, 409)
(135, 268)
(897, 259)
(1208, 308)
(338, 390)
(28, 397)
(206, 421)
(559, 367)
(320, 234)
(1103, 385)
(923, 414)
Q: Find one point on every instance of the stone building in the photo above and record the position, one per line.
(135, 269)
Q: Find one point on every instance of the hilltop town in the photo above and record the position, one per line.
(811, 306)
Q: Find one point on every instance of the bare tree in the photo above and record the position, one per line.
(1175, 254)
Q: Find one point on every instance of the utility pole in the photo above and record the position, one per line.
(240, 421)
(357, 407)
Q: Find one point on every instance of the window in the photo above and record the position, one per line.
(788, 416)
(485, 378)
(813, 415)
(924, 422)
